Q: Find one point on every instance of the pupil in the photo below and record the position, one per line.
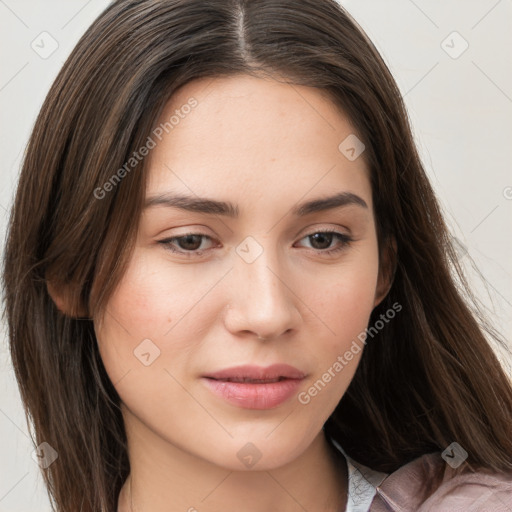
(321, 236)
(187, 242)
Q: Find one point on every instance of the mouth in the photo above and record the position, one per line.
(251, 381)
(252, 387)
(250, 373)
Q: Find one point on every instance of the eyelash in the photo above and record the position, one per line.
(344, 239)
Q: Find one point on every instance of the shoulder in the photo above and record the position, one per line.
(428, 484)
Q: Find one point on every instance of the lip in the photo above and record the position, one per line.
(255, 387)
(257, 372)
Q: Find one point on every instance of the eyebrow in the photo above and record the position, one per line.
(211, 206)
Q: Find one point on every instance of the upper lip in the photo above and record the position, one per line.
(251, 372)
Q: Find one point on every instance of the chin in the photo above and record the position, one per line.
(260, 452)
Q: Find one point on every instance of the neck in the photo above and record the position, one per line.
(166, 478)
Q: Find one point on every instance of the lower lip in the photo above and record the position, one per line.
(254, 396)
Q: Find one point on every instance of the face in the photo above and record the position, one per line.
(264, 259)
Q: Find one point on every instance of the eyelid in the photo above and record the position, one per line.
(334, 228)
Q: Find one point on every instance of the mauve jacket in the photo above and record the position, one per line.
(448, 490)
(465, 492)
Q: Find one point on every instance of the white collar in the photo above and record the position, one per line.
(362, 483)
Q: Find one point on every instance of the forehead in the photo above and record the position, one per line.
(254, 138)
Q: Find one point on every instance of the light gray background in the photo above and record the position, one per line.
(460, 109)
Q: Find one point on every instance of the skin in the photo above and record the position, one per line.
(264, 146)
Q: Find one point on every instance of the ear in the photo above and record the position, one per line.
(65, 299)
(387, 268)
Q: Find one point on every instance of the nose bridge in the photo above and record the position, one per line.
(262, 297)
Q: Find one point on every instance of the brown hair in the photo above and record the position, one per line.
(428, 378)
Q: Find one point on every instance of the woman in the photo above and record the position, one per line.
(228, 282)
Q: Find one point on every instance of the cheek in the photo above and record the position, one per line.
(342, 301)
(344, 298)
(349, 304)
(335, 356)
(146, 297)
(143, 325)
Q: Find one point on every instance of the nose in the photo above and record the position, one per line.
(261, 299)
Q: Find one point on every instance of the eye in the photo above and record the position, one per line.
(321, 241)
(191, 244)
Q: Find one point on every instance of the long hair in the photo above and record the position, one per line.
(426, 379)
